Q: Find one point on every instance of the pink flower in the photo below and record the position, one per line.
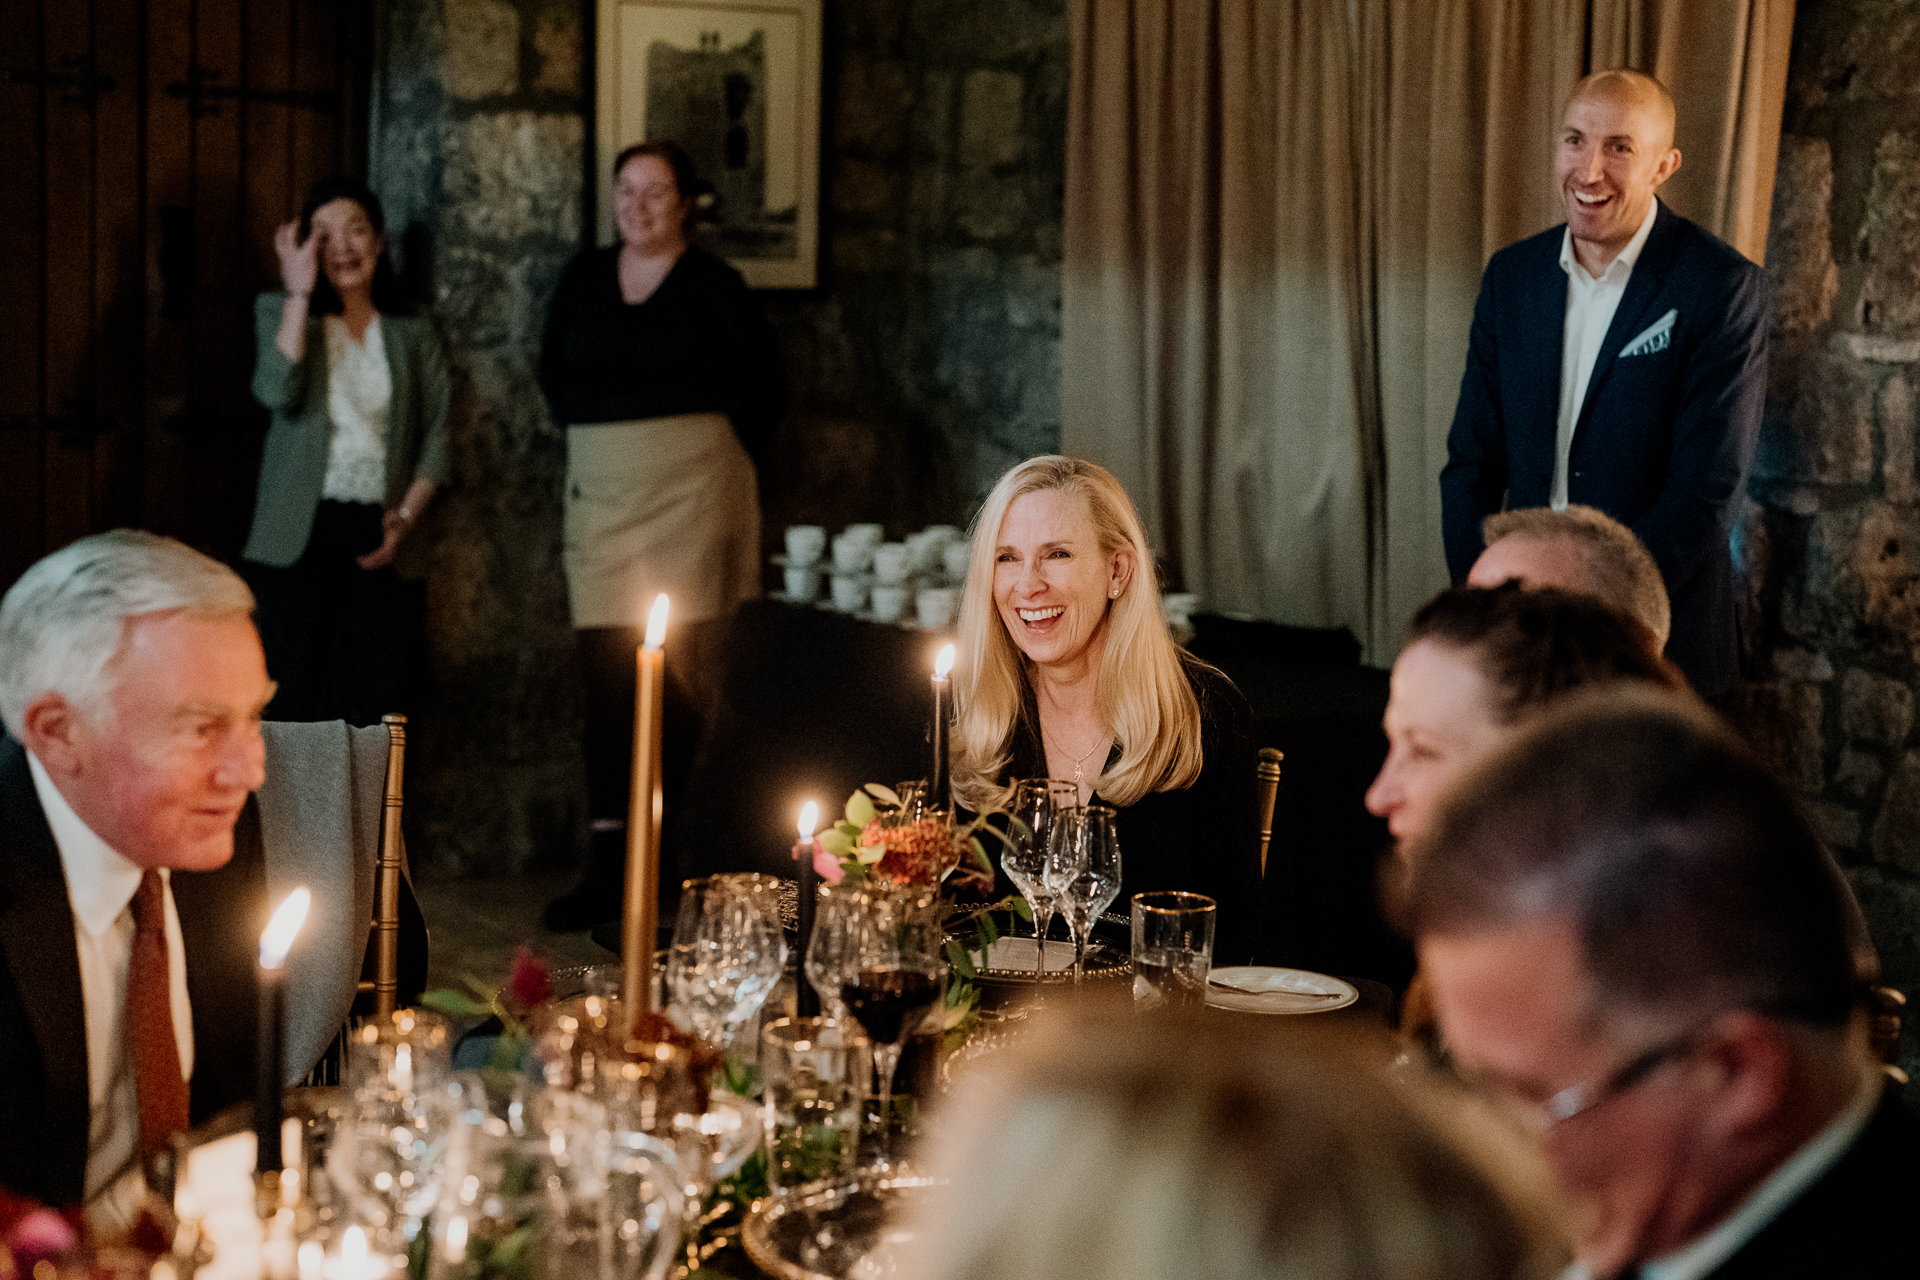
(529, 983)
(42, 1234)
(827, 865)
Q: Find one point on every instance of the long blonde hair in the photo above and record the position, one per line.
(1105, 1145)
(1141, 691)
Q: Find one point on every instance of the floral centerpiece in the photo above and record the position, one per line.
(893, 847)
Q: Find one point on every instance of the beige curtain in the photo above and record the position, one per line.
(1277, 212)
(1214, 290)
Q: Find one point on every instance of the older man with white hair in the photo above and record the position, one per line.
(131, 687)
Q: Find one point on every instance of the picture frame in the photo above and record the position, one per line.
(737, 83)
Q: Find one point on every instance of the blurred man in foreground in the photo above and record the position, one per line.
(1579, 549)
(131, 687)
(1636, 942)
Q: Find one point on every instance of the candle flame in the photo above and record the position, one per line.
(278, 938)
(809, 819)
(657, 622)
(943, 662)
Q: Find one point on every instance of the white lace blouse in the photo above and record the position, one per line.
(359, 393)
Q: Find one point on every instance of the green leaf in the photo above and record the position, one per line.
(883, 793)
(1022, 908)
(860, 810)
(1000, 835)
(988, 934)
(836, 842)
(456, 1004)
(962, 962)
(980, 856)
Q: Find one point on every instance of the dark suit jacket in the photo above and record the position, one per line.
(1861, 1221)
(43, 1035)
(293, 466)
(1663, 439)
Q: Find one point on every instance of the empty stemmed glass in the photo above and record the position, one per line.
(1083, 870)
(834, 947)
(895, 978)
(728, 952)
(1035, 800)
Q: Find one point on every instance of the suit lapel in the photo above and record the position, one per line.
(1636, 310)
(1543, 325)
(36, 933)
(400, 415)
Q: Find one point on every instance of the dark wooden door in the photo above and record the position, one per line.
(149, 148)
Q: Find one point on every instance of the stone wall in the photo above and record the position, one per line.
(1831, 539)
(924, 364)
(477, 154)
(929, 359)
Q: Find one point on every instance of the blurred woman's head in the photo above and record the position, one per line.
(1060, 578)
(346, 216)
(1477, 661)
(1130, 1148)
(655, 190)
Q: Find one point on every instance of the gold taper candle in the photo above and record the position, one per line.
(641, 917)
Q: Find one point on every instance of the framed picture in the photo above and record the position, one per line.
(737, 83)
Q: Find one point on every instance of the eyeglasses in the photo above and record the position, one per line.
(1545, 1115)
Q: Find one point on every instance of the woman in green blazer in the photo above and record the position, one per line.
(357, 449)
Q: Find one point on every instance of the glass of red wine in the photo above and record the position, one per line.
(893, 978)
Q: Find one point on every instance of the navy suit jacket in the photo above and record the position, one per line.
(1664, 438)
(43, 1033)
(1859, 1222)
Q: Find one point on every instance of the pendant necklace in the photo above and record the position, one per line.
(1077, 775)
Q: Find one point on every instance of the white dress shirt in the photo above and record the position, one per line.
(1590, 306)
(100, 887)
(1701, 1256)
(359, 393)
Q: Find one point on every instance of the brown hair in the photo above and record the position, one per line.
(1535, 643)
(1694, 879)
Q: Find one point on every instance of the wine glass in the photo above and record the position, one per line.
(1083, 870)
(1035, 800)
(728, 952)
(834, 945)
(894, 980)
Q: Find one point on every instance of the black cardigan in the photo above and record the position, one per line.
(1203, 838)
(697, 344)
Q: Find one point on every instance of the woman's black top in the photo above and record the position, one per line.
(698, 344)
(1203, 838)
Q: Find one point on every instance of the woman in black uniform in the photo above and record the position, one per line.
(666, 376)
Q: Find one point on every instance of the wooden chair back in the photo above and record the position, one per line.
(1885, 1006)
(1267, 774)
(385, 984)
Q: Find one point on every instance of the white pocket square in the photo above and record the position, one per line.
(1657, 336)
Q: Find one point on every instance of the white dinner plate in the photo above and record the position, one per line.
(1266, 990)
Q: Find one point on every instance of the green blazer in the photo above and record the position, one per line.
(295, 462)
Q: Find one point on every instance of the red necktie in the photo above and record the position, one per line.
(156, 1053)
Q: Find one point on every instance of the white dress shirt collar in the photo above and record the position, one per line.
(100, 882)
(1623, 262)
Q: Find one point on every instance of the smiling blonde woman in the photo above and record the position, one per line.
(1067, 670)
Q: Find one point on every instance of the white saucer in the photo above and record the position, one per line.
(1268, 990)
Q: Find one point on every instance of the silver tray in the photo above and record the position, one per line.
(829, 1231)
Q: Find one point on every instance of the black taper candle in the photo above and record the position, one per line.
(269, 1095)
(806, 999)
(940, 781)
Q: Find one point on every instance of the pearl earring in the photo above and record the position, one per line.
(1115, 593)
